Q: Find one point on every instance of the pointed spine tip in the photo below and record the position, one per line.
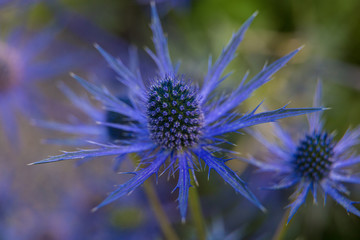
(301, 47)
(255, 13)
(288, 221)
(72, 75)
(263, 209)
(183, 220)
(94, 209)
(153, 9)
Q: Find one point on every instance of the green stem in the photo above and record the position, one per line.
(281, 229)
(196, 213)
(155, 204)
(160, 214)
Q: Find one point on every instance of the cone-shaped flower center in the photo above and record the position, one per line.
(174, 115)
(313, 156)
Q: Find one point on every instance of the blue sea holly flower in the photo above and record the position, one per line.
(315, 162)
(176, 124)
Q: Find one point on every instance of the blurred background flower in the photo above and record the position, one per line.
(25, 62)
(315, 163)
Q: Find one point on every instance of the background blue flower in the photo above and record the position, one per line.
(317, 162)
(26, 60)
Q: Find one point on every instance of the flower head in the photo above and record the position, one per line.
(176, 124)
(315, 162)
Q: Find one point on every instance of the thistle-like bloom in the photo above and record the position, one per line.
(173, 123)
(22, 65)
(315, 162)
